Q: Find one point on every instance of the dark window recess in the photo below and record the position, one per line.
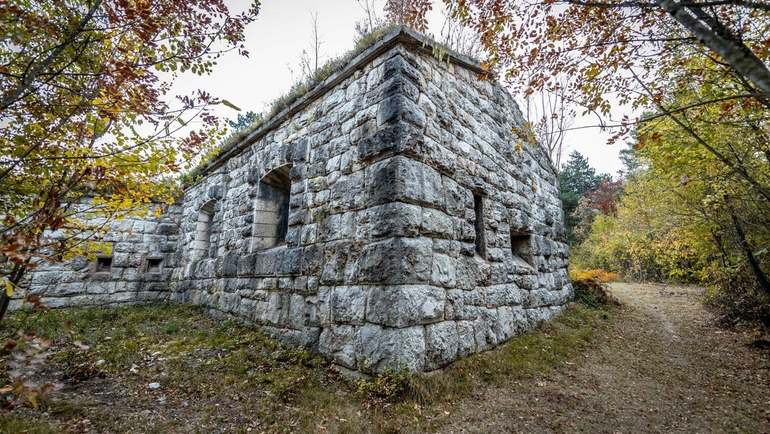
(154, 265)
(103, 264)
(481, 243)
(521, 247)
(283, 222)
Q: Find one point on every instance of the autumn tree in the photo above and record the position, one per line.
(627, 52)
(603, 200)
(89, 126)
(576, 179)
(408, 12)
(684, 215)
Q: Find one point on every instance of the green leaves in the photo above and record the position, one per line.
(86, 114)
(8, 287)
(685, 214)
(231, 105)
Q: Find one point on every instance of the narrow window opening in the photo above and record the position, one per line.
(271, 220)
(478, 206)
(521, 247)
(103, 264)
(154, 265)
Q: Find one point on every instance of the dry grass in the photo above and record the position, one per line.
(217, 375)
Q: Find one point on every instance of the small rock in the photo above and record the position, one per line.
(100, 362)
(153, 386)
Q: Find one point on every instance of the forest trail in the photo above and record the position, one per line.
(662, 366)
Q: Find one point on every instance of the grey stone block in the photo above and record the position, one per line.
(385, 349)
(401, 306)
(441, 342)
(444, 271)
(405, 180)
(348, 304)
(437, 223)
(396, 261)
(340, 342)
(393, 220)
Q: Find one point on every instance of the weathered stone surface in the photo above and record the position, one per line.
(396, 261)
(341, 343)
(348, 304)
(392, 220)
(442, 342)
(444, 271)
(400, 306)
(406, 180)
(386, 222)
(384, 349)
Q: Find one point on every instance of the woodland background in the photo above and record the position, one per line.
(87, 111)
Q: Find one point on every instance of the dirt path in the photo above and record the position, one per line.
(661, 367)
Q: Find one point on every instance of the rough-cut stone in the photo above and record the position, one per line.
(396, 261)
(386, 349)
(348, 304)
(340, 342)
(400, 306)
(442, 342)
(348, 225)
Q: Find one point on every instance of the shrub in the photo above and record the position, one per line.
(390, 386)
(591, 287)
(599, 274)
(736, 296)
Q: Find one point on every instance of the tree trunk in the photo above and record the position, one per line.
(4, 301)
(725, 258)
(717, 39)
(760, 275)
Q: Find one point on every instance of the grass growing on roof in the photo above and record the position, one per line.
(297, 91)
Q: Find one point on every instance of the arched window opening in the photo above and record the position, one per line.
(271, 220)
(202, 243)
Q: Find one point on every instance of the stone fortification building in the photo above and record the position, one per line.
(387, 219)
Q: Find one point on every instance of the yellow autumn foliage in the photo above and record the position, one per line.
(602, 276)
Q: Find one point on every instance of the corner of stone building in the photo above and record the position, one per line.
(395, 268)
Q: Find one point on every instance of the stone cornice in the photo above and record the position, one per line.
(399, 35)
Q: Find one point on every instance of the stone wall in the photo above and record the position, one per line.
(417, 231)
(456, 167)
(142, 251)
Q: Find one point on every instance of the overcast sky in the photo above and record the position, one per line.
(276, 40)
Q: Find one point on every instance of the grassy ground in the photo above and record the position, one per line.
(662, 366)
(219, 376)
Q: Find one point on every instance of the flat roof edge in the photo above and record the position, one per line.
(399, 35)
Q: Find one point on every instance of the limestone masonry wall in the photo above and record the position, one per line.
(389, 223)
(142, 258)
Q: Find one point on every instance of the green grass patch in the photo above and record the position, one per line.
(522, 357)
(204, 362)
(14, 424)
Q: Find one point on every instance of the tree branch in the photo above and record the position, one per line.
(35, 71)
